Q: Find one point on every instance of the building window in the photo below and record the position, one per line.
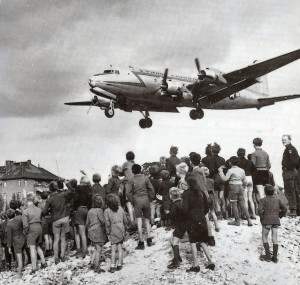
(19, 182)
(4, 184)
(25, 182)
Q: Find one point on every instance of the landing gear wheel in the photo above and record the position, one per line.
(200, 114)
(148, 123)
(109, 113)
(193, 114)
(196, 114)
(143, 123)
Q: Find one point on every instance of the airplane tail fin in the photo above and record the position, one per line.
(262, 87)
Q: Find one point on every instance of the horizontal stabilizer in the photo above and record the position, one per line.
(273, 100)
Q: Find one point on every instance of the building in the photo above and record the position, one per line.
(15, 177)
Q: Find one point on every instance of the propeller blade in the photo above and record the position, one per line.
(164, 81)
(197, 62)
(89, 109)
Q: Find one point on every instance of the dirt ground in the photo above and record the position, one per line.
(236, 256)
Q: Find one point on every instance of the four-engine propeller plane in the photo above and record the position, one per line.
(149, 91)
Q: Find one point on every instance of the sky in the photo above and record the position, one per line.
(49, 50)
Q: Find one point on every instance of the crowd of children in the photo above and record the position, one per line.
(183, 194)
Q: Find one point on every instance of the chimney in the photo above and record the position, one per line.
(9, 164)
(29, 162)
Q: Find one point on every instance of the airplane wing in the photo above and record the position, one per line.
(261, 68)
(243, 78)
(82, 103)
(273, 100)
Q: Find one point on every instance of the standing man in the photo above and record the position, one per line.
(290, 162)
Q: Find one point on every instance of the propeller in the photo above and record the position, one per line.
(93, 102)
(164, 84)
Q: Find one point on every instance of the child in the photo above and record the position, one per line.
(32, 227)
(115, 221)
(237, 181)
(270, 209)
(177, 217)
(114, 182)
(155, 205)
(6, 256)
(140, 193)
(211, 193)
(165, 186)
(97, 187)
(46, 226)
(96, 230)
(15, 237)
(181, 171)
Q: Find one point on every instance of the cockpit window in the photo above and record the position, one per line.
(111, 71)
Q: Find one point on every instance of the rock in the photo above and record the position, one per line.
(68, 274)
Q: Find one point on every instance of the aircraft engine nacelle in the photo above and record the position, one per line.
(215, 75)
(174, 88)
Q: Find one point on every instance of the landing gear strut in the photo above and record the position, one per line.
(146, 122)
(196, 114)
(110, 111)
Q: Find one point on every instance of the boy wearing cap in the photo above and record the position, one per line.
(140, 193)
(270, 210)
(15, 237)
(57, 205)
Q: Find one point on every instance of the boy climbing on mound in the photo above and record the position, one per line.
(270, 209)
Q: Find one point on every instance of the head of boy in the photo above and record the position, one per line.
(130, 156)
(14, 204)
(173, 150)
(241, 152)
(174, 193)
(115, 171)
(72, 184)
(162, 160)
(208, 150)
(269, 190)
(97, 201)
(96, 177)
(53, 186)
(44, 195)
(154, 171)
(257, 142)
(182, 169)
(60, 184)
(234, 161)
(85, 180)
(136, 169)
(30, 196)
(195, 158)
(10, 213)
(191, 180)
(215, 149)
(112, 202)
(165, 175)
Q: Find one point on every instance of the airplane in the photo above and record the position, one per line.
(134, 89)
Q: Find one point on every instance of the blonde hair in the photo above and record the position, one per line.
(30, 197)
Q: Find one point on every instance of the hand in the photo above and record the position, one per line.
(221, 168)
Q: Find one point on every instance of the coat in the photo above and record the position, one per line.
(270, 209)
(95, 223)
(115, 224)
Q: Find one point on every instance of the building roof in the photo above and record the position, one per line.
(25, 170)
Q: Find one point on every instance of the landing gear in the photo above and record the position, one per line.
(196, 114)
(146, 122)
(110, 111)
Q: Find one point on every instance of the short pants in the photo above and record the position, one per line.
(81, 215)
(268, 227)
(34, 235)
(236, 192)
(141, 206)
(180, 230)
(61, 225)
(261, 177)
(19, 245)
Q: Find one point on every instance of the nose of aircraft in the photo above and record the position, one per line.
(92, 82)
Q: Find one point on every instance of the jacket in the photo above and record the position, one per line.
(270, 209)
(290, 158)
(95, 223)
(171, 163)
